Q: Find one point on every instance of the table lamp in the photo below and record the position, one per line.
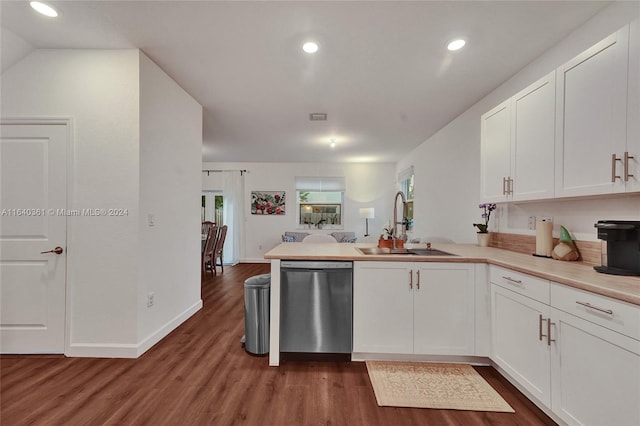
(367, 213)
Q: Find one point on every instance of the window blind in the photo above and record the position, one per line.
(320, 183)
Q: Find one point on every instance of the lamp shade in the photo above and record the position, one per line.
(367, 213)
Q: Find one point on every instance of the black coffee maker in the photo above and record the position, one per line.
(621, 253)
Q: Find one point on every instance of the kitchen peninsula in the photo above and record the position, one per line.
(514, 311)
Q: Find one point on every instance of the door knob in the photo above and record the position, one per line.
(57, 250)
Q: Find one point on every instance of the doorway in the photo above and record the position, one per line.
(33, 236)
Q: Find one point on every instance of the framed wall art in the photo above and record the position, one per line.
(268, 202)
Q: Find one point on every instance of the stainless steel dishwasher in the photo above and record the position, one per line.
(316, 306)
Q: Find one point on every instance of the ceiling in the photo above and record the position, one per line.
(382, 73)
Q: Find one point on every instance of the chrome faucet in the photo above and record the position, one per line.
(394, 237)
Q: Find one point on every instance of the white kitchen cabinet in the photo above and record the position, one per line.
(519, 343)
(444, 309)
(495, 166)
(595, 373)
(414, 308)
(533, 144)
(517, 140)
(591, 121)
(633, 110)
(383, 307)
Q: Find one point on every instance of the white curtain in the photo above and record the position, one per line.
(233, 192)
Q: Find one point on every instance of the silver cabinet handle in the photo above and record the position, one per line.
(510, 186)
(590, 306)
(540, 335)
(411, 279)
(418, 281)
(504, 186)
(627, 175)
(512, 280)
(549, 339)
(614, 176)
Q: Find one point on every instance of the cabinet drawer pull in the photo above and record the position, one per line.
(540, 335)
(418, 280)
(512, 280)
(590, 306)
(510, 187)
(614, 176)
(627, 175)
(504, 186)
(411, 279)
(549, 339)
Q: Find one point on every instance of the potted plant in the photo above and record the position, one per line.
(386, 238)
(483, 228)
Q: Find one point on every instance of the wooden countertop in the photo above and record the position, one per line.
(574, 274)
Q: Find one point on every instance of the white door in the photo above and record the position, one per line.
(595, 373)
(495, 166)
(33, 186)
(383, 307)
(534, 118)
(519, 343)
(444, 308)
(591, 127)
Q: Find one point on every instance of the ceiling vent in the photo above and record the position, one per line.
(318, 116)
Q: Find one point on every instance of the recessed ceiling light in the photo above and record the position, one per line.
(456, 44)
(44, 9)
(310, 47)
(333, 143)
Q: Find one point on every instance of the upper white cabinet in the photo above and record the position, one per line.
(518, 145)
(575, 132)
(592, 117)
(414, 308)
(633, 110)
(533, 120)
(495, 168)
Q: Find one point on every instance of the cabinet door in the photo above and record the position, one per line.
(382, 307)
(495, 164)
(592, 112)
(444, 309)
(595, 373)
(517, 346)
(633, 109)
(534, 117)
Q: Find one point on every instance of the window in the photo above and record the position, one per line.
(405, 180)
(320, 202)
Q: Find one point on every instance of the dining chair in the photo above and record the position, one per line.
(207, 253)
(206, 225)
(217, 250)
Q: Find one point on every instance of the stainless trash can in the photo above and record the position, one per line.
(256, 314)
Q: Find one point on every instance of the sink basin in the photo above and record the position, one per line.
(404, 251)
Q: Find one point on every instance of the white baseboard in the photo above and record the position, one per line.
(454, 359)
(160, 333)
(115, 350)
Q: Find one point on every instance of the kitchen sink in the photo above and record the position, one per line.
(412, 251)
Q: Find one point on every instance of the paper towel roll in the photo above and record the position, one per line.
(544, 238)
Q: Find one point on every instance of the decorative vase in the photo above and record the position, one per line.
(483, 239)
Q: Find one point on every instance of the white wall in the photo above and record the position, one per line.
(447, 165)
(170, 179)
(368, 185)
(12, 48)
(100, 91)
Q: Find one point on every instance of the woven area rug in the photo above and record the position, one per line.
(431, 385)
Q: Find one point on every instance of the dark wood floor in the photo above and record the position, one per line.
(200, 374)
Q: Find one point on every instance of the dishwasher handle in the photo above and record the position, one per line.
(320, 265)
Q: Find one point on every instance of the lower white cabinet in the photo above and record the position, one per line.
(595, 373)
(414, 308)
(577, 354)
(519, 340)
